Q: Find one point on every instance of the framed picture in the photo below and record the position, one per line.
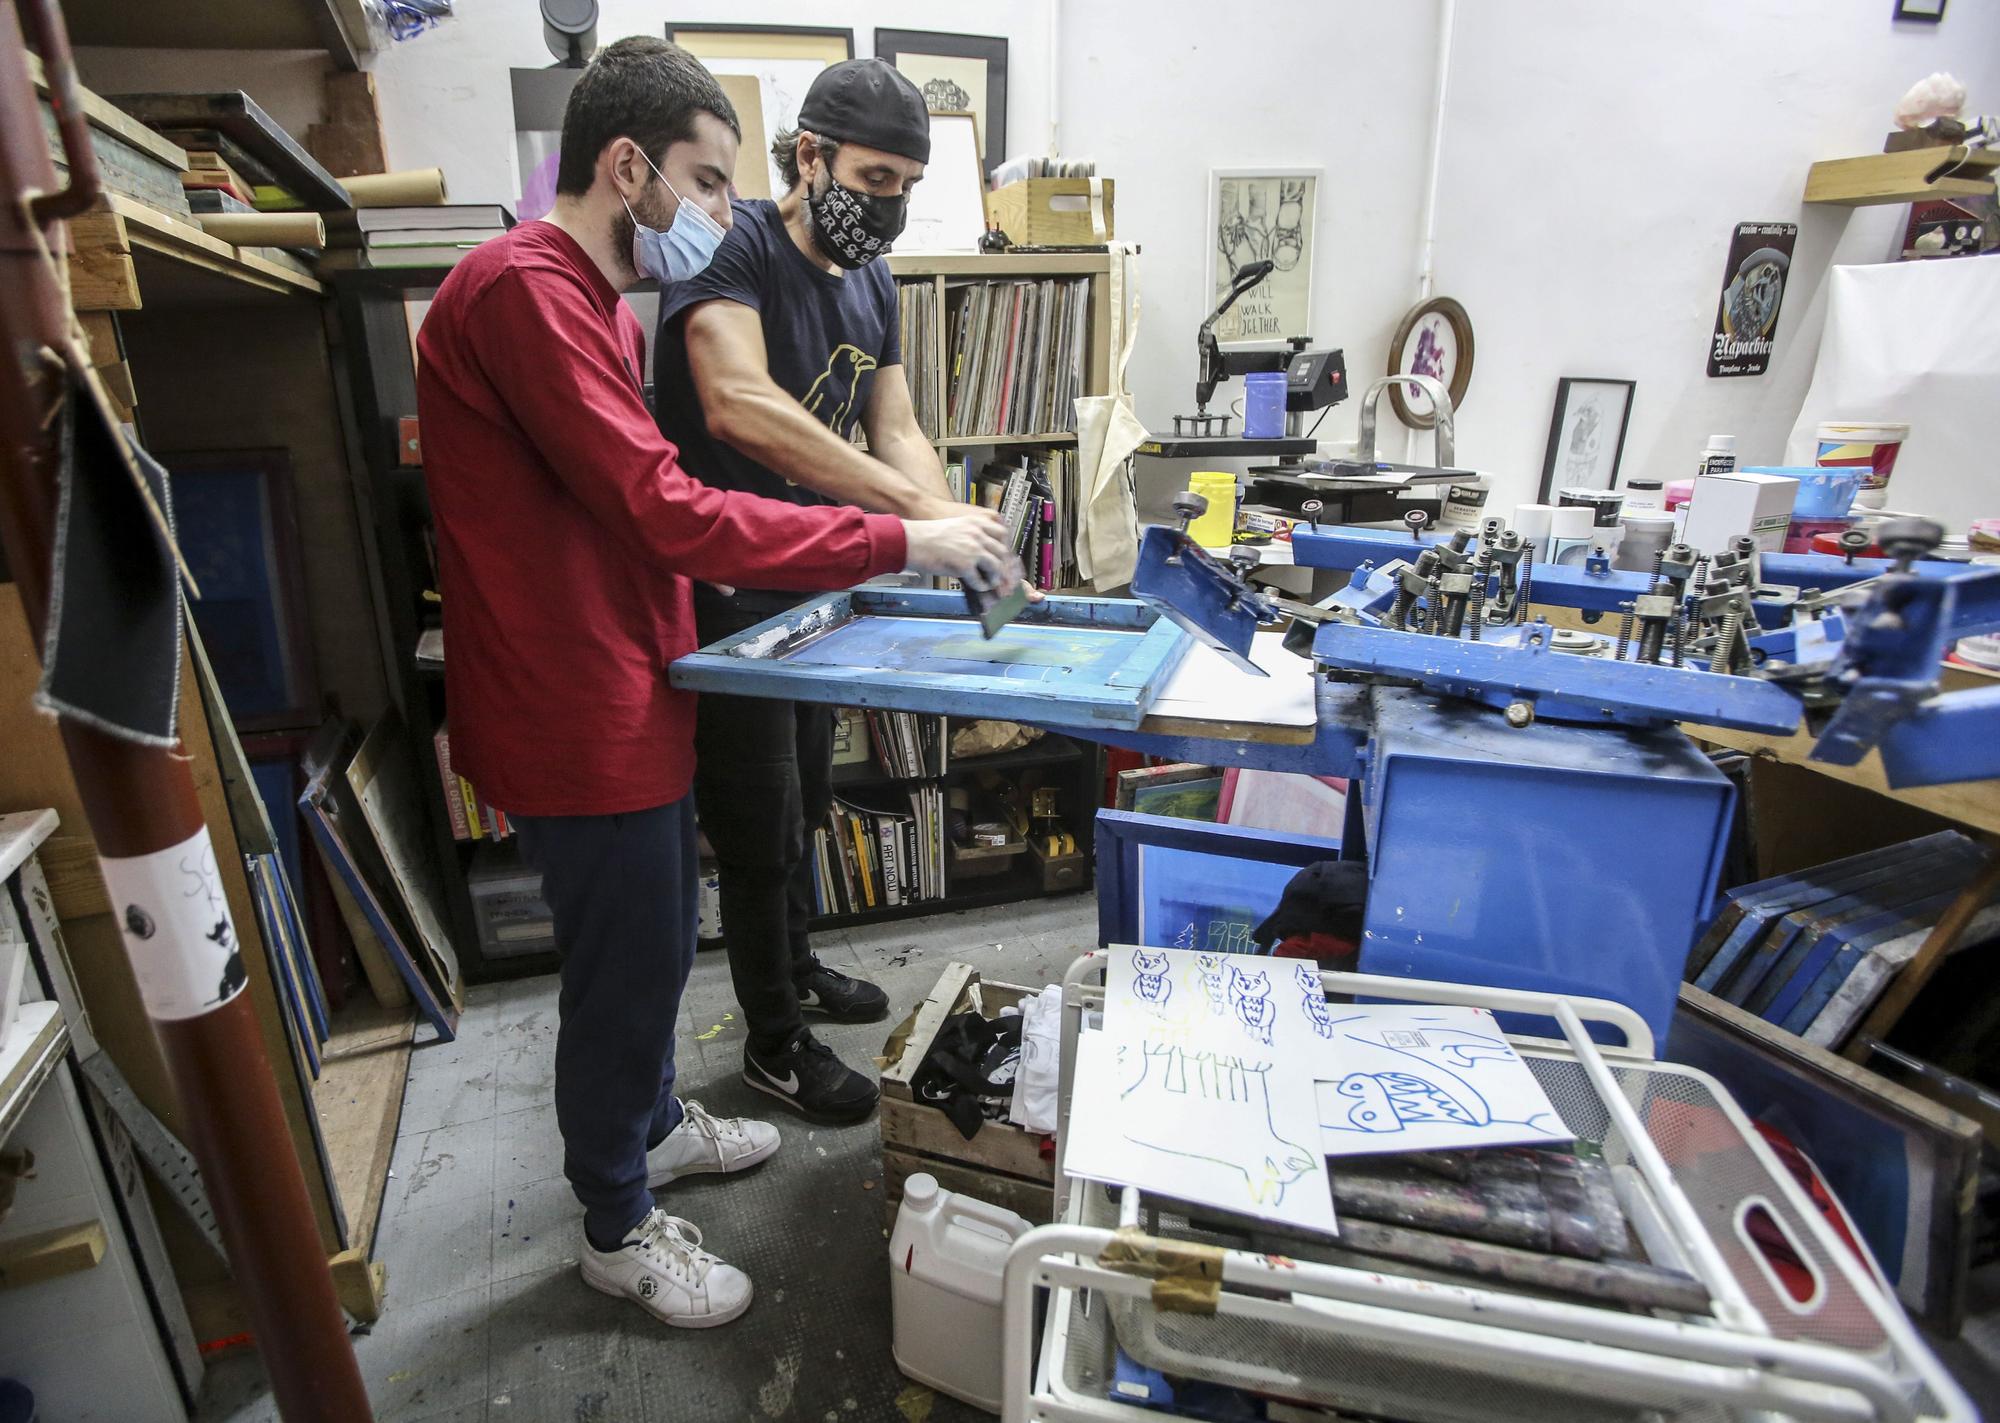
(1256, 215)
(964, 74)
(239, 532)
(1183, 884)
(1435, 340)
(1183, 790)
(783, 60)
(948, 209)
(1586, 434)
(1929, 11)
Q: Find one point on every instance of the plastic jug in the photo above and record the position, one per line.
(946, 1259)
(1216, 528)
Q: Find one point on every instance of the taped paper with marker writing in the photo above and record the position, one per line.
(174, 916)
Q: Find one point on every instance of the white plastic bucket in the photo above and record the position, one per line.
(947, 1257)
(1868, 445)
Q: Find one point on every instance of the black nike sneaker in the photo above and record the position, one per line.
(806, 1076)
(844, 1000)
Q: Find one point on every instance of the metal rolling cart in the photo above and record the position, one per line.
(1190, 1295)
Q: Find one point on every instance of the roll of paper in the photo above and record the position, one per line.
(419, 187)
(265, 229)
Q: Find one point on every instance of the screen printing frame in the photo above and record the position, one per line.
(754, 662)
(1122, 836)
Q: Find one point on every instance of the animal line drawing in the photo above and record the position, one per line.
(1429, 1076)
(1152, 984)
(1312, 997)
(1250, 999)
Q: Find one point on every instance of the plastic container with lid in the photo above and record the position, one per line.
(1718, 456)
(1215, 528)
(1647, 496)
(1823, 493)
(1870, 446)
(946, 1258)
(1647, 534)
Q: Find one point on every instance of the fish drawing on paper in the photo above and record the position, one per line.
(1250, 998)
(1215, 1098)
(1415, 1078)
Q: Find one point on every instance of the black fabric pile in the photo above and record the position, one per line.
(969, 1072)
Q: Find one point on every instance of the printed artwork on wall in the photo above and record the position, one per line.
(783, 59)
(964, 74)
(1586, 434)
(1753, 291)
(1258, 215)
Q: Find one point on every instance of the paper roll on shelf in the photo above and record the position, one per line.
(265, 229)
(1571, 533)
(417, 187)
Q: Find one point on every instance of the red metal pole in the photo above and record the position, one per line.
(158, 862)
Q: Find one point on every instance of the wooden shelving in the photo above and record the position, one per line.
(1879, 178)
(129, 255)
(959, 442)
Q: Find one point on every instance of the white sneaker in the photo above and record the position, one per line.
(663, 1269)
(702, 1143)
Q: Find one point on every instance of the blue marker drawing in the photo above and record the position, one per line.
(1319, 1017)
(1152, 984)
(1215, 1099)
(1250, 997)
(1413, 1076)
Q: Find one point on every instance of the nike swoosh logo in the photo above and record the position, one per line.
(788, 1084)
(809, 999)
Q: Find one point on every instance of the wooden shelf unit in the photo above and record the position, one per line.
(1880, 178)
(128, 253)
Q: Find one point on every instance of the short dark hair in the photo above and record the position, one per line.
(640, 88)
(785, 153)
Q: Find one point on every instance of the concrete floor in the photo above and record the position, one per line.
(486, 1317)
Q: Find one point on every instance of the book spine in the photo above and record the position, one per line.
(475, 828)
(454, 806)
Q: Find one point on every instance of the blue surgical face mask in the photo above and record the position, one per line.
(683, 249)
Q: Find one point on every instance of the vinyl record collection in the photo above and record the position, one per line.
(919, 335)
(1016, 353)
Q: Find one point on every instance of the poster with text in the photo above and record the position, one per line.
(1256, 217)
(1753, 290)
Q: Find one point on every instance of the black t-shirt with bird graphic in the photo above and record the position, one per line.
(825, 336)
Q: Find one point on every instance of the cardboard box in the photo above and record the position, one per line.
(1725, 505)
(1002, 1163)
(1054, 212)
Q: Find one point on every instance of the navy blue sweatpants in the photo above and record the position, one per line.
(622, 889)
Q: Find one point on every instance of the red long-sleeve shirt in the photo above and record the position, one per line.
(567, 533)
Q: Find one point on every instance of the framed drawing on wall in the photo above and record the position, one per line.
(947, 211)
(1256, 215)
(1435, 340)
(783, 59)
(1586, 434)
(957, 74)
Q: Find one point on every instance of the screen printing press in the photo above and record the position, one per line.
(1531, 813)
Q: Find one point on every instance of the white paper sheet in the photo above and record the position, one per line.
(1400, 1077)
(1206, 688)
(1229, 1130)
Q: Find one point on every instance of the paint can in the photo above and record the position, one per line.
(1465, 504)
(1572, 534)
(1604, 504)
(1647, 533)
(1868, 445)
(1264, 405)
(1214, 528)
(1531, 522)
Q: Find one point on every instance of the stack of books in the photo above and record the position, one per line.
(471, 817)
(1036, 494)
(866, 859)
(909, 745)
(1017, 352)
(919, 335)
(369, 239)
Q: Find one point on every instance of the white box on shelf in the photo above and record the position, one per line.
(1740, 502)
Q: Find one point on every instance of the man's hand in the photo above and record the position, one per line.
(970, 546)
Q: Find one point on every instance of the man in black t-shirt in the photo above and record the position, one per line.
(765, 363)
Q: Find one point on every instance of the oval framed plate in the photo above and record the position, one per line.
(1434, 339)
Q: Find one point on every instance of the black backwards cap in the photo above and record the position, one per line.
(869, 102)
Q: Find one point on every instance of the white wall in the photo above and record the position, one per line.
(446, 99)
(1597, 157)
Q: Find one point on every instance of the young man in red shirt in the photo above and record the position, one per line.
(767, 363)
(567, 538)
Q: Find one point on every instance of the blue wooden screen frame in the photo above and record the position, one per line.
(1121, 834)
(744, 666)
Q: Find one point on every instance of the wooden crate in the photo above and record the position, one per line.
(1002, 1163)
(1053, 212)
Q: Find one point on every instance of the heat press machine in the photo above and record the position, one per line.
(1314, 380)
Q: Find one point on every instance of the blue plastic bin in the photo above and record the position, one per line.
(1823, 493)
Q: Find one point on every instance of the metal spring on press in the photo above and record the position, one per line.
(1477, 606)
(1624, 634)
(1527, 582)
(1725, 641)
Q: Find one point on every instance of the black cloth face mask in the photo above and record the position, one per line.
(852, 229)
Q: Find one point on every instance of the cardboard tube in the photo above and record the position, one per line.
(265, 229)
(419, 187)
